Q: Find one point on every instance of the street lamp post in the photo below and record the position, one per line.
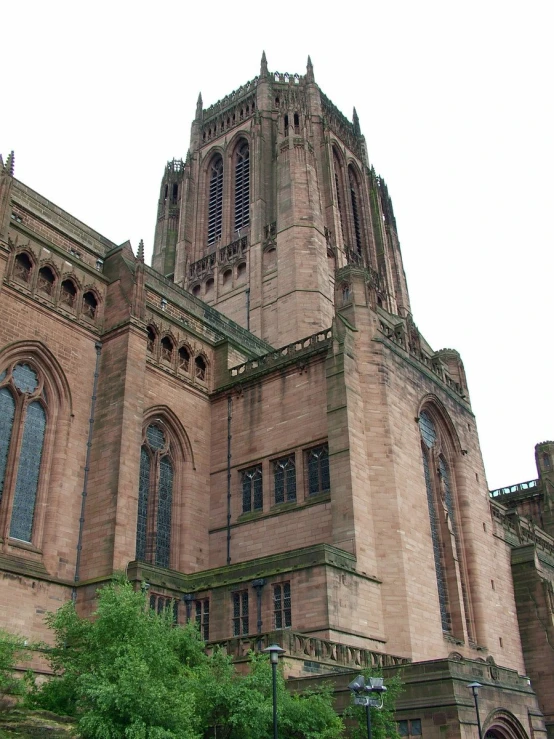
(475, 690)
(274, 651)
(368, 693)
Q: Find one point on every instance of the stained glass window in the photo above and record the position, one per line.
(25, 378)
(318, 470)
(215, 201)
(282, 606)
(163, 540)
(31, 415)
(252, 490)
(427, 429)
(7, 410)
(242, 186)
(436, 538)
(155, 479)
(285, 479)
(144, 486)
(30, 455)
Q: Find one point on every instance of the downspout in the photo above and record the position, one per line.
(248, 309)
(98, 347)
(229, 416)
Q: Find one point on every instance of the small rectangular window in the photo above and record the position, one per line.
(284, 475)
(252, 490)
(409, 727)
(203, 617)
(282, 606)
(318, 470)
(240, 613)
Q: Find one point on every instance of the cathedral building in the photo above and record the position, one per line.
(255, 430)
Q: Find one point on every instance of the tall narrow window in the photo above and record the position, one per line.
(318, 470)
(242, 186)
(46, 280)
(338, 188)
(282, 606)
(355, 202)
(284, 472)
(215, 200)
(155, 498)
(240, 613)
(203, 617)
(22, 431)
(252, 491)
(445, 536)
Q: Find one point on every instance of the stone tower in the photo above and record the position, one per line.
(276, 194)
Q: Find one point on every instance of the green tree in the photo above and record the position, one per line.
(129, 673)
(12, 650)
(383, 725)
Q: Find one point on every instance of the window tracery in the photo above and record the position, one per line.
(252, 489)
(90, 305)
(355, 202)
(445, 535)
(155, 497)
(23, 266)
(318, 470)
(46, 280)
(68, 294)
(23, 418)
(284, 471)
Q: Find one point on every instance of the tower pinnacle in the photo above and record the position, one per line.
(199, 106)
(356, 123)
(9, 166)
(140, 252)
(263, 65)
(310, 70)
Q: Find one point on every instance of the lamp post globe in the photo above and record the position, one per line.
(274, 651)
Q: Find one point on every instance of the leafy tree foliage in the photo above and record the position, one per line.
(11, 651)
(129, 673)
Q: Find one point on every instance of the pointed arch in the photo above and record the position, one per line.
(36, 405)
(165, 454)
(355, 196)
(439, 447)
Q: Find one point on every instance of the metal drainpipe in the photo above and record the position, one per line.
(98, 347)
(258, 585)
(248, 309)
(229, 416)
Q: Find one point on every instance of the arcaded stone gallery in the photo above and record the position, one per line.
(255, 429)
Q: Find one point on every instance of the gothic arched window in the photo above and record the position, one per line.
(46, 280)
(242, 186)
(23, 417)
(447, 547)
(155, 497)
(215, 200)
(23, 267)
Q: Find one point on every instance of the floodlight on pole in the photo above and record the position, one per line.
(363, 690)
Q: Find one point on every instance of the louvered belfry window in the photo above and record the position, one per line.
(242, 186)
(355, 201)
(155, 498)
(22, 431)
(215, 204)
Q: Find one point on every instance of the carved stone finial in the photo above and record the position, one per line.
(356, 122)
(310, 70)
(199, 106)
(263, 66)
(140, 252)
(9, 164)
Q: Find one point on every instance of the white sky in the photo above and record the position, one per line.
(456, 103)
